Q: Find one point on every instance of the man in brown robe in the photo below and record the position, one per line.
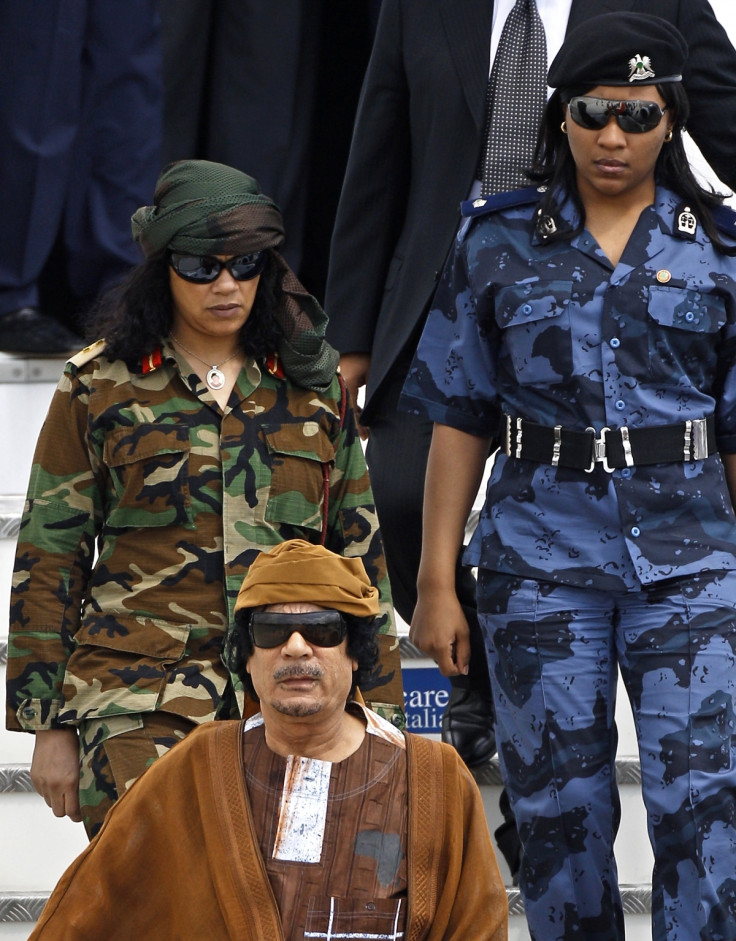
(315, 818)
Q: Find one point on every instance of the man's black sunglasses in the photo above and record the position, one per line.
(318, 628)
(201, 269)
(632, 116)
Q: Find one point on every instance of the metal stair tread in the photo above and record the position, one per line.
(16, 907)
(29, 369)
(15, 778)
(11, 507)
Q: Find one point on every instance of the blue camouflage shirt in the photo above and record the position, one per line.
(551, 331)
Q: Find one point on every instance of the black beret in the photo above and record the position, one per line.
(620, 49)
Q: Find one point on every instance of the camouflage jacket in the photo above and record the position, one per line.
(551, 332)
(146, 505)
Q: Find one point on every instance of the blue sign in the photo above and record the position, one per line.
(426, 692)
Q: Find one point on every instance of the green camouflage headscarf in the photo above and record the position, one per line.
(205, 208)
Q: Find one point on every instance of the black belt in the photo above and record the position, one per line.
(613, 447)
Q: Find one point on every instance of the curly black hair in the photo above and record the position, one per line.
(362, 647)
(554, 166)
(136, 315)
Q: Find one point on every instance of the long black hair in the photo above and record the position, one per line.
(136, 315)
(554, 165)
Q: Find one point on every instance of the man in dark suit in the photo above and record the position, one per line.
(414, 154)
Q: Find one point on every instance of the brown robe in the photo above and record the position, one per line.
(178, 855)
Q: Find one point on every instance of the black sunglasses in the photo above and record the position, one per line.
(201, 269)
(318, 628)
(632, 116)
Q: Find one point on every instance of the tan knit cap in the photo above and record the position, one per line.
(298, 571)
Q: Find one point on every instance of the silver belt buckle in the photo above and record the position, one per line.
(556, 447)
(517, 454)
(696, 439)
(599, 451)
(626, 442)
(508, 450)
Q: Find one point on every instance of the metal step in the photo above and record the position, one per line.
(26, 906)
(16, 779)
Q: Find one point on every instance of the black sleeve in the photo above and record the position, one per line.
(710, 82)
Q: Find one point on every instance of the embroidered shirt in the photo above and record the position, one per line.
(333, 835)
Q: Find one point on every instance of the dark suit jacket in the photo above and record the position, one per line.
(415, 147)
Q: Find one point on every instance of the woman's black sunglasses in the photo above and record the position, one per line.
(201, 269)
(632, 116)
(318, 628)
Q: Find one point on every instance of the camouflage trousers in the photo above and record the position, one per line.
(113, 752)
(553, 653)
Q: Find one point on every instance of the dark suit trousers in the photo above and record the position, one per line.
(240, 77)
(397, 452)
(80, 115)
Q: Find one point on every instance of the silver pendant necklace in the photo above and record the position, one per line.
(215, 377)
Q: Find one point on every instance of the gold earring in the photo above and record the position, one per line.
(563, 127)
(668, 136)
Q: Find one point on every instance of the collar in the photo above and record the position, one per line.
(563, 218)
(675, 216)
(374, 724)
(165, 352)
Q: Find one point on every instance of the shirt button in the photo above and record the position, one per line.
(29, 712)
(689, 316)
(620, 405)
(635, 532)
(615, 342)
(526, 309)
(626, 472)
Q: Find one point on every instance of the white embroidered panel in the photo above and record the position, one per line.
(303, 810)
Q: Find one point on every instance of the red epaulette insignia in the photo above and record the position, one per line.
(151, 362)
(273, 365)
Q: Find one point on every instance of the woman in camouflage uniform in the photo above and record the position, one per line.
(209, 424)
(589, 328)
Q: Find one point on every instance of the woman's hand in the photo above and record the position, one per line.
(439, 629)
(55, 771)
(454, 471)
(355, 368)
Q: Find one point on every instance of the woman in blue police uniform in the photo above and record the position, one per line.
(589, 329)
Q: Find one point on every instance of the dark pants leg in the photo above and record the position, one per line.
(79, 138)
(397, 452)
(263, 75)
(117, 155)
(397, 459)
(39, 120)
(186, 32)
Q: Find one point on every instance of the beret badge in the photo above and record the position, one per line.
(640, 68)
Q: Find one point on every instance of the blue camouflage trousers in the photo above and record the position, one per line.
(553, 653)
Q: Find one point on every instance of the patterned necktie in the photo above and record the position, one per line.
(517, 91)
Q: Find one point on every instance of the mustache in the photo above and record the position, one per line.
(295, 671)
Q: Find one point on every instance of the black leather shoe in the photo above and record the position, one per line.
(467, 725)
(28, 332)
